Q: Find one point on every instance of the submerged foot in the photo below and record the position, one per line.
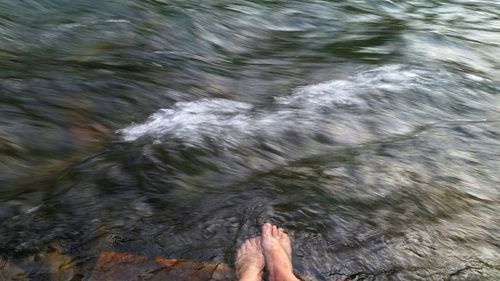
(277, 250)
(250, 260)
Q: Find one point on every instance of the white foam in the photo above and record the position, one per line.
(193, 120)
(324, 95)
(232, 123)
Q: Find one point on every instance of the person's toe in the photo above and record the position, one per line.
(266, 229)
(253, 242)
(281, 232)
(274, 231)
(250, 243)
(244, 247)
(258, 240)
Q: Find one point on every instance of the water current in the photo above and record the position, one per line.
(369, 130)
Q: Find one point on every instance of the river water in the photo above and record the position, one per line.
(369, 130)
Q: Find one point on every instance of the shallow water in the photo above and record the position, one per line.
(370, 130)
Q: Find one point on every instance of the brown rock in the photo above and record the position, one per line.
(53, 262)
(120, 266)
(10, 272)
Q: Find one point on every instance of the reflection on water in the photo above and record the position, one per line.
(369, 130)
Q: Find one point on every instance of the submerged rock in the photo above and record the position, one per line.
(10, 272)
(122, 266)
(52, 263)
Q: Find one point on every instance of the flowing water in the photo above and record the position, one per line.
(369, 130)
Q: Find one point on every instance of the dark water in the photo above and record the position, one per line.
(370, 130)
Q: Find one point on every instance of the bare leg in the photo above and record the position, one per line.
(250, 260)
(278, 253)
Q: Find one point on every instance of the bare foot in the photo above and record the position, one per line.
(250, 260)
(278, 253)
